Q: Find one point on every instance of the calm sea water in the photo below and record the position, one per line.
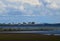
(36, 32)
(55, 32)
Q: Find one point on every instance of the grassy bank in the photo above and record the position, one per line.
(27, 29)
(28, 37)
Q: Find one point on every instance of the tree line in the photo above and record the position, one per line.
(17, 23)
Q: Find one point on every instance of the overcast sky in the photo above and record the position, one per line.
(39, 11)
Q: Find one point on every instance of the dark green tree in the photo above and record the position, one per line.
(33, 22)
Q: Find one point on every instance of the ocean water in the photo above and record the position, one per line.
(51, 32)
(35, 32)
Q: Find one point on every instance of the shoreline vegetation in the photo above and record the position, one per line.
(29, 23)
(18, 29)
(30, 26)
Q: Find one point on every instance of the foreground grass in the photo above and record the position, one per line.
(28, 37)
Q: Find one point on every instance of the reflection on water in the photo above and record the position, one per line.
(38, 32)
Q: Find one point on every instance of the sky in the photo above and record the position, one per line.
(39, 11)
